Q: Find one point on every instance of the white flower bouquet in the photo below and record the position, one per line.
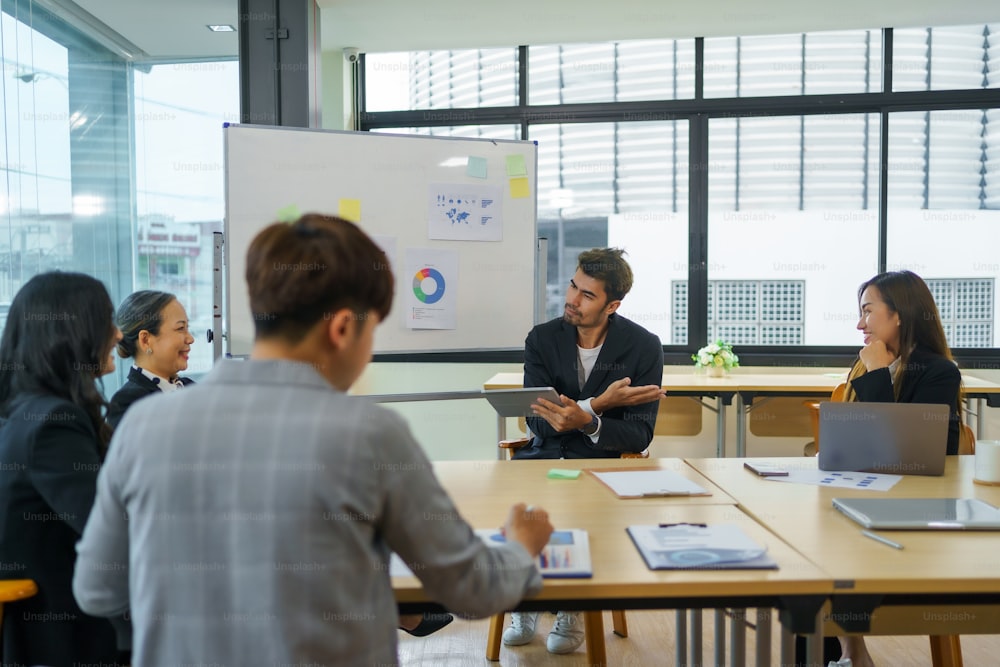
(717, 356)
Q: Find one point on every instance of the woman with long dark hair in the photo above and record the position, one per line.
(155, 336)
(56, 345)
(905, 359)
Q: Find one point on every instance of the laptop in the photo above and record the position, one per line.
(921, 513)
(517, 402)
(891, 438)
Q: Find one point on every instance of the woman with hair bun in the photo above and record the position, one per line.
(156, 338)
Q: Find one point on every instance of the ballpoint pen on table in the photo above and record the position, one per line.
(883, 540)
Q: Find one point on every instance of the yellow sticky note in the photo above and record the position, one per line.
(350, 209)
(519, 188)
(515, 166)
(289, 213)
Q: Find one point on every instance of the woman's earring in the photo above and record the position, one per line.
(149, 350)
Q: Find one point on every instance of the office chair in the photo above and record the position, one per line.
(12, 590)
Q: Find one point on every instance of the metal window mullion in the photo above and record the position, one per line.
(883, 169)
(802, 132)
(522, 88)
(698, 230)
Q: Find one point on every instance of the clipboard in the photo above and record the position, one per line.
(648, 482)
(684, 546)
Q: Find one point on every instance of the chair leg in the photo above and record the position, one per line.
(946, 650)
(593, 629)
(493, 637)
(619, 623)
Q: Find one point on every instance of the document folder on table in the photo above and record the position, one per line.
(699, 547)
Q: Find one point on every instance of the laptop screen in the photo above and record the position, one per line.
(891, 438)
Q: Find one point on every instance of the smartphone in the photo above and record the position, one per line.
(764, 469)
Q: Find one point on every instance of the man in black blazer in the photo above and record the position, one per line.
(607, 369)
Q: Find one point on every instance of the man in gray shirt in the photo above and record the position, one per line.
(248, 520)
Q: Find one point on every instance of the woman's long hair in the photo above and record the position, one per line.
(56, 341)
(906, 294)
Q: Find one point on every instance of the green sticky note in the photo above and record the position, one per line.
(515, 166)
(519, 188)
(289, 213)
(563, 473)
(476, 167)
(350, 209)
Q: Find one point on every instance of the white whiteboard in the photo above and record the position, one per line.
(272, 169)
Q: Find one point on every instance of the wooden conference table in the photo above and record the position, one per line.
(945, 582)
(941, 582)
(484, 490)
(745, 387)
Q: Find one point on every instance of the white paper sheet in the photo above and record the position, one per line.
(429, 288)
(649, 483)
(840, 480)
(462, 212)
(567, 555)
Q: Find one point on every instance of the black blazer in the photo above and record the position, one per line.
(138, 386)
(550, 359)
(50, 456)
(927, 378)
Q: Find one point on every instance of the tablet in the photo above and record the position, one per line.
(517, 402)
(920, 513)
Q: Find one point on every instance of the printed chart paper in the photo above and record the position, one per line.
(566, 556)
(460, 212)
(429, 288)
(840, 480)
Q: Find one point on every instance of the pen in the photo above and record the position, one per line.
(883, 540)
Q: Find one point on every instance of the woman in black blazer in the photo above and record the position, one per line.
(156, 338)
(905, 359)
(58, 341)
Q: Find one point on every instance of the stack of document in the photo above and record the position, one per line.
(685, 546)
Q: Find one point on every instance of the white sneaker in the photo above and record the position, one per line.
(566, 635)
(522, 628)
(843, 662)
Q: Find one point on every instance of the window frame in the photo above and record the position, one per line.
(697, 111)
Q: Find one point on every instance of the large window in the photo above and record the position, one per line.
(754, 204)
(793, 198)
(179, 112)
(110, 169)
(611, 72)
(64, 200)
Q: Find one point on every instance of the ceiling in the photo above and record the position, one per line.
(177, 28)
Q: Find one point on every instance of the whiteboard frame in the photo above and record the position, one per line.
(269, 168)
